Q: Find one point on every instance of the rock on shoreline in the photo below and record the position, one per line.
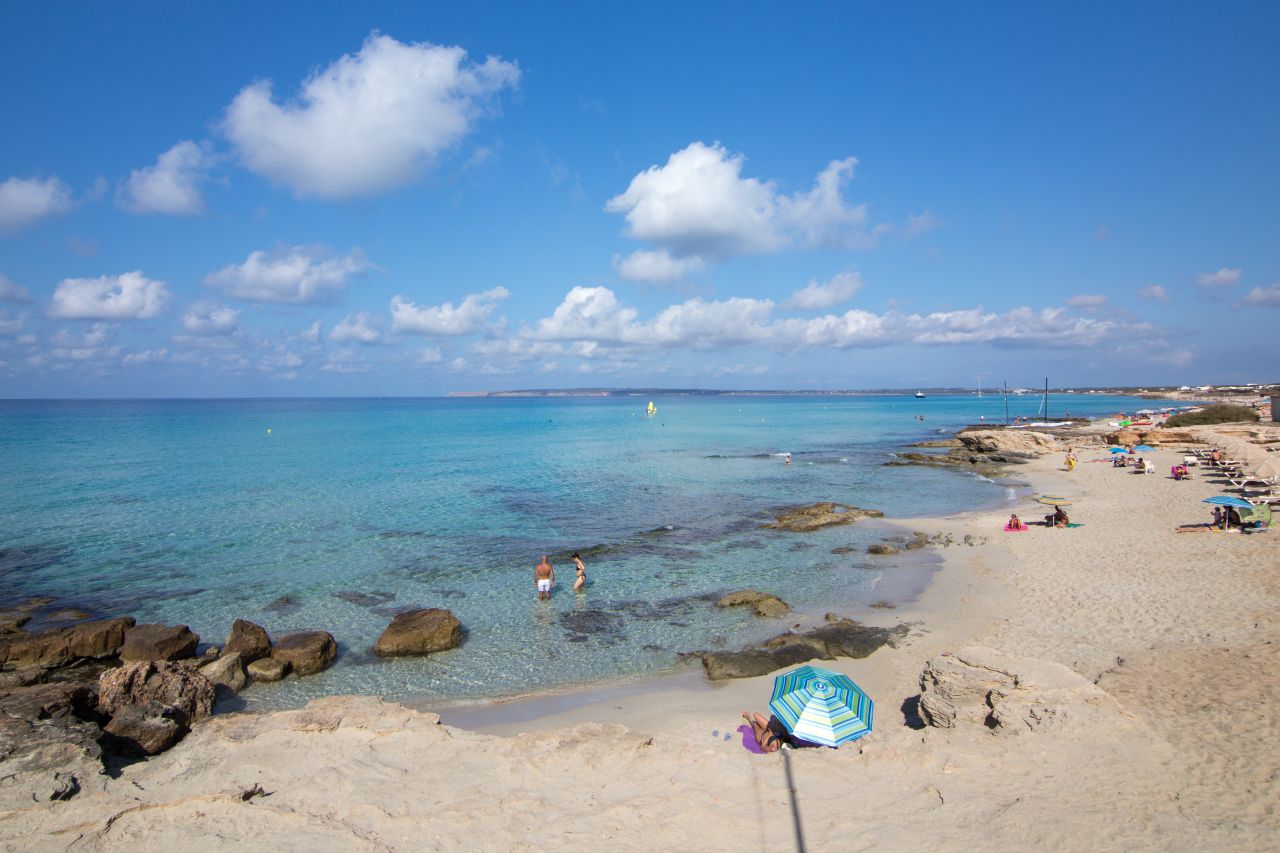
(420, 632)
(841, 638)
(762, 603)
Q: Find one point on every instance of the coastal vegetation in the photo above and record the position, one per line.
(1220, 413)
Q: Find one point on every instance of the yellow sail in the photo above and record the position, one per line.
(652, 410)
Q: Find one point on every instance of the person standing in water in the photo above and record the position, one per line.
(581, 580)
(544, 577)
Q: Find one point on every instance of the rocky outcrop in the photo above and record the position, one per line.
(48, 744)
(185, 693)
(306, 652)
(159, 642)
(882, 549)
(144, 730)
(420, 632)
(227, 671)
(102, 638)
(804, 519)
(1008, 440)
(249, 640)
(761, 603)
(267, 669)
(1008, 694)
(840, 638)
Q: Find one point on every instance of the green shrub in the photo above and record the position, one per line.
(1219, 413)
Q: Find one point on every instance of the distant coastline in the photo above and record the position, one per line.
(1169, 392)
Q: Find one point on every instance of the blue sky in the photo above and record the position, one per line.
(384, 199)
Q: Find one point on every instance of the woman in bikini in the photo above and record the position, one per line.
(581, 580)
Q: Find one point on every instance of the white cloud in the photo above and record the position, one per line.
(1154, 293)
(1268, 296)
(1225, 277)
(299, 275)
(311, 334)
(817, 295)
(346, 361)
(699, 206)
(10, 292)
(151, 356)
(467, 318)
(429, 355)
(594, 314)
(12, 326)
(24, 201)
(919, 223)
(368, 123)
(172, 185)
(209, 318)
(1087, 302)
(131, 296)
(657, 265)
(357, 328)
(92, 346)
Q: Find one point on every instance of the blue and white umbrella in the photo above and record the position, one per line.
(1144, 448)
(1118, 450)
(1228, 500)
(821, 706)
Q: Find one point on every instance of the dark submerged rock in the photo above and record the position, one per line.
(804, 519)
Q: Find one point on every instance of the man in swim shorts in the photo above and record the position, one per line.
(544, 577)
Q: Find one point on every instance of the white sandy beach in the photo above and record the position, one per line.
(1178, 629)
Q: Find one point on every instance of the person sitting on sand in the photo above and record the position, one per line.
(1120, 461)
(1218, 517)
(771, 734)
(581, 580)
(1057, 519)
(544, 577)
(1140, 465)
(1015, 523)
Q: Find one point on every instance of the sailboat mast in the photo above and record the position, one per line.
(1006, 403)
(1046, 398)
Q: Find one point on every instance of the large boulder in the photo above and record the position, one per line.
(159, 642)
(1007, 694)
(841, 638)
(306, 652)
(803, 519)
(249, 640)
(101, 638)
(1008, 440)
(147, 729)
(175, 686)
(267, 669)
(226, 671)
(420, 632)
(761, 603)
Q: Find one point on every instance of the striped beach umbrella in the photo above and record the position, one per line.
(821, 706)
(1050, 500)
(1228, 500)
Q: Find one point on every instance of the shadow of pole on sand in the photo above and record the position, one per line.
(795, 806)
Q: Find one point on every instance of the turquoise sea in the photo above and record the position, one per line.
(335, 514)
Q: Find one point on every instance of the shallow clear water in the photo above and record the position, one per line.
(335, 514)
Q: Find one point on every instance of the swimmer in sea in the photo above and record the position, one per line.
(544, 577)
(581, 580)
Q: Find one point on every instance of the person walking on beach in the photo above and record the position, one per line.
(544, 577)
(581, 580)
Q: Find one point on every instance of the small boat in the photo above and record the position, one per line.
(651, 410)
(919, 395)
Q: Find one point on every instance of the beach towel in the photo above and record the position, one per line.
(1073, 524)
(749, 742)
(1008, 529)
